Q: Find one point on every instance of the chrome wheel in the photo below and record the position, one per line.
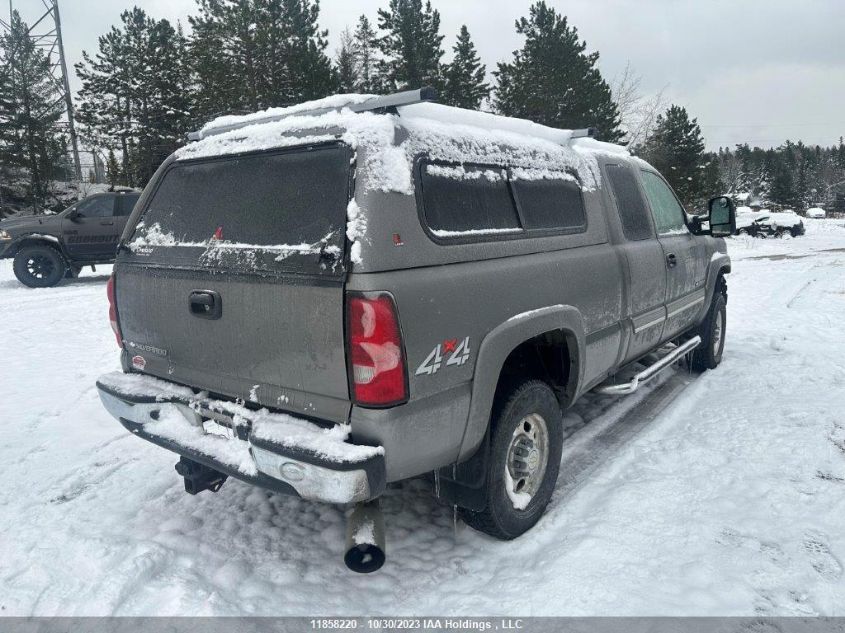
(528, 457)
(718, 328)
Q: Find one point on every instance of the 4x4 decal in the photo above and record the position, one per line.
(458, 354)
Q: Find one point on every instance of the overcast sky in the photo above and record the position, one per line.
(759, 71)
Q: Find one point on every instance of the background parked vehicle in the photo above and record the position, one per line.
(49, 248)
(765, 223)
(816, 212)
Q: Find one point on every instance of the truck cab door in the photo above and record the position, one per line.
(644, 261)
(89, 230)
(683, 253)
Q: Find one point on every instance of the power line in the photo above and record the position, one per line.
(765, 125)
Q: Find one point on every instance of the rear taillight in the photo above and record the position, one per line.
(115, 326)
(376, 357)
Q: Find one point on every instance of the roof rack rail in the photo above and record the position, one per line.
(587, 132)
(385, 102)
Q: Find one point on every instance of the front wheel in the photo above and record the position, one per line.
(39, 266)
(708, 355)
(522, 469)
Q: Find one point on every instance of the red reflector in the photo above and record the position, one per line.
(113, 311)
(378, 373)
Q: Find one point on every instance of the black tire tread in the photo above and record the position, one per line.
(21, 255)
(485, 520)
(702, 356)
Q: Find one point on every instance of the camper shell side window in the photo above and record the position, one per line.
(472, 202)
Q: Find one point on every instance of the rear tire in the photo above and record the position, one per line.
(708, 355)
(525, 450)
(39, 266)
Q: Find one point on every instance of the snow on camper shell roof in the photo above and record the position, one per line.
(441, 132)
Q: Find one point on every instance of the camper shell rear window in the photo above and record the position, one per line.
(282, 210)
(474, 202)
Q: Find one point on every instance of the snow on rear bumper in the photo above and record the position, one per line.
(275, 451)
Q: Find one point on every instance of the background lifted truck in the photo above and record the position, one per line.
(49, 248)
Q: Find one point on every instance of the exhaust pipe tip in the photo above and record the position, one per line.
(364, 558)
(365, 548)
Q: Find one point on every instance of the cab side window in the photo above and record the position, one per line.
(629, 202)
(126, 202)
(667, 211)
(96, 207)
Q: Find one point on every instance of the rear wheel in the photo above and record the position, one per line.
(525, 449)
(708, 355)
(39, 266)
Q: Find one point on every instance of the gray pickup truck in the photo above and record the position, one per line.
(326, 299)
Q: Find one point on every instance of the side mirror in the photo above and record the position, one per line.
(722, 216)
(694, 225)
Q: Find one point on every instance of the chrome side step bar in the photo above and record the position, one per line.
(651, 371)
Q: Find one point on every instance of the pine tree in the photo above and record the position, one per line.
(366, 48)
(113, 169)
(308, 67)
(792, 175)
(676, 149)
(782, 190)
(8, 134)
(411, 47)
(712, 184)
(104, 109)
(802, 185)
(135, 93)
(30, 107)
(345, 62)
(464, 84)
(212, 55)
(552, 80)
(248, 55)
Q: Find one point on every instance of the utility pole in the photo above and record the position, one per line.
(68, 100)
(51, 42)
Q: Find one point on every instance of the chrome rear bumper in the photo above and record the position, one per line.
(272, 450)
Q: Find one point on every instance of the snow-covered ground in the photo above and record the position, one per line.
(731, 501)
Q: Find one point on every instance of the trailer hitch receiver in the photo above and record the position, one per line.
(199, 477)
